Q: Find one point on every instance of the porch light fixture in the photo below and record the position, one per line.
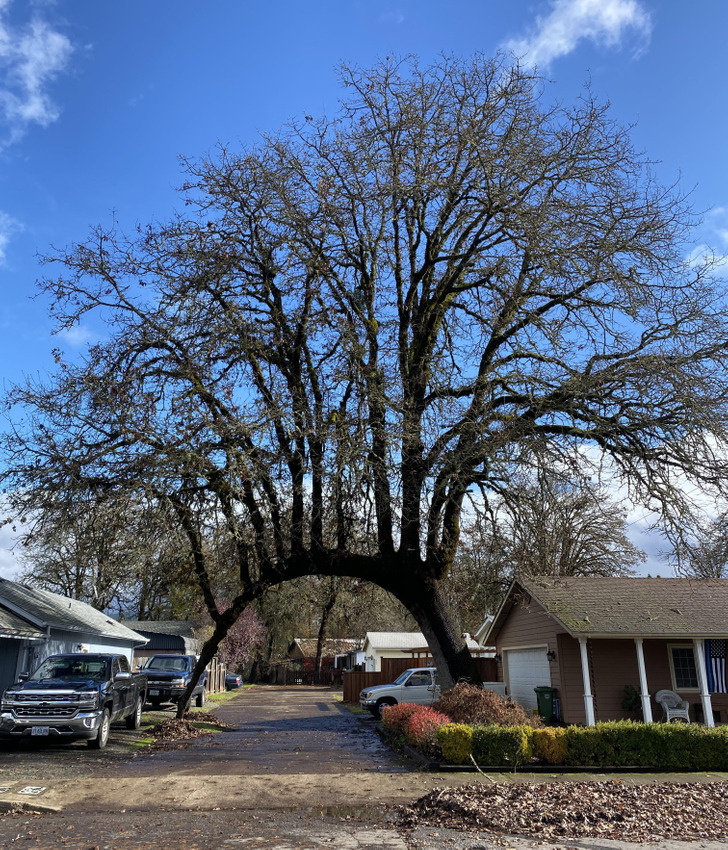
(551, 655)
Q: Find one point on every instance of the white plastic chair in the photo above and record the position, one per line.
(674, 707)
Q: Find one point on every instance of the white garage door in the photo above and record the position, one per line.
(526, 670)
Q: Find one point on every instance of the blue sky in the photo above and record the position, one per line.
(98, 99)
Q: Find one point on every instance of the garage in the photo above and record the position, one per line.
(526, 669)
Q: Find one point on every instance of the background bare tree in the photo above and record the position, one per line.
(117, 554)
(703, 552)
(566, 527)
(550, 522)
(363, 320)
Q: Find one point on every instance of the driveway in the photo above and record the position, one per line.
(280, 731)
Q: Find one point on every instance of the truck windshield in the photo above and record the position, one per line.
(71, 667)
(402, 677)
(166, 662)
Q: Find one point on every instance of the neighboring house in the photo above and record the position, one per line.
(350, 661)
(165, 636)
(590, 637)
(484, 628)
(302, 651)
(379, 645)
(37, 623)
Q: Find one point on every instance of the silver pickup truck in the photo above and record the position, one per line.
(74, 696)
(418, 685)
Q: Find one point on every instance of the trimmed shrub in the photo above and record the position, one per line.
(502, 745)
(470, 704)
(662, 746)
(455, 741)
(549, 745)
(394, 717)
(421, 727)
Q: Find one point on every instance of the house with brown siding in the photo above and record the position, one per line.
(590, 637)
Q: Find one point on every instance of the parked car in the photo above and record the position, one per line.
(72, 696)
(418, 685)
(169, 675)
(232, 681)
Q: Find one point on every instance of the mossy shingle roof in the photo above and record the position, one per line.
(60, 612)
(622, 607)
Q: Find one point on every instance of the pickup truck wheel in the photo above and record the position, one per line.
(384, 703)
(200, 701)
(134, 720)
(102, 734)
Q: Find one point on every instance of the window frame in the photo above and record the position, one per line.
(691, 647)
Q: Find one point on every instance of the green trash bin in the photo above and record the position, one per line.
(545, 700)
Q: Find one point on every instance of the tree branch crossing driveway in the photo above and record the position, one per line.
(298, 771)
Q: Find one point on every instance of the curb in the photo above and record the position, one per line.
(27, 806)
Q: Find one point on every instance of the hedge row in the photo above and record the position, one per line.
(661, 746)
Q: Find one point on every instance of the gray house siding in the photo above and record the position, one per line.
(62, 641)
(9, 653)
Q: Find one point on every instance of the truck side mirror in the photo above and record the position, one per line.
(121, 675)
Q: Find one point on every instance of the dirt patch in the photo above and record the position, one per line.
(613, 810)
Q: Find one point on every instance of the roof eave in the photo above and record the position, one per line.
(22, 613)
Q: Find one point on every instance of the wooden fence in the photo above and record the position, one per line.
(215, 676)
(286, 674)
(391, 668)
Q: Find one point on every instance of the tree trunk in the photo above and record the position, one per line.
(323, 627)
(224, 624)
(428, 605)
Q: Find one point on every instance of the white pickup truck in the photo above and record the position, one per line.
(418, 684)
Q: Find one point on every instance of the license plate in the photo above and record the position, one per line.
(39, 730)
(153, 693)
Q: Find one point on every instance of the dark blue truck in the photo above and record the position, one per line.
(169, 675)
(74, 696)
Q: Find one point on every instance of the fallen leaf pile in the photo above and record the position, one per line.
(579, 809)
(207, 717)
(172, 733)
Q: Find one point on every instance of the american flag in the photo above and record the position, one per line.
(715, 664)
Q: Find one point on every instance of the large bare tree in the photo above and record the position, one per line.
(361, 321)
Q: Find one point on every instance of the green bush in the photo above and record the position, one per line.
(502, 745)
(549, 745)
(662, 746)
(456, 742)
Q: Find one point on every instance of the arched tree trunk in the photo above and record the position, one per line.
(439, 625)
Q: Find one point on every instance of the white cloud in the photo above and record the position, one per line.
(77, 336)
(31, 56)
(8, 227)
(604, 22)
(9, 564)
(395, 16)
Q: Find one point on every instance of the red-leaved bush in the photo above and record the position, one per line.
(421, 726)
(394, 717)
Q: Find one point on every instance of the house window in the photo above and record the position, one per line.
(683, 668)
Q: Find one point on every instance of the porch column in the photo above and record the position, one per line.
(588, 698)
(699, 652)
(644, 693)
